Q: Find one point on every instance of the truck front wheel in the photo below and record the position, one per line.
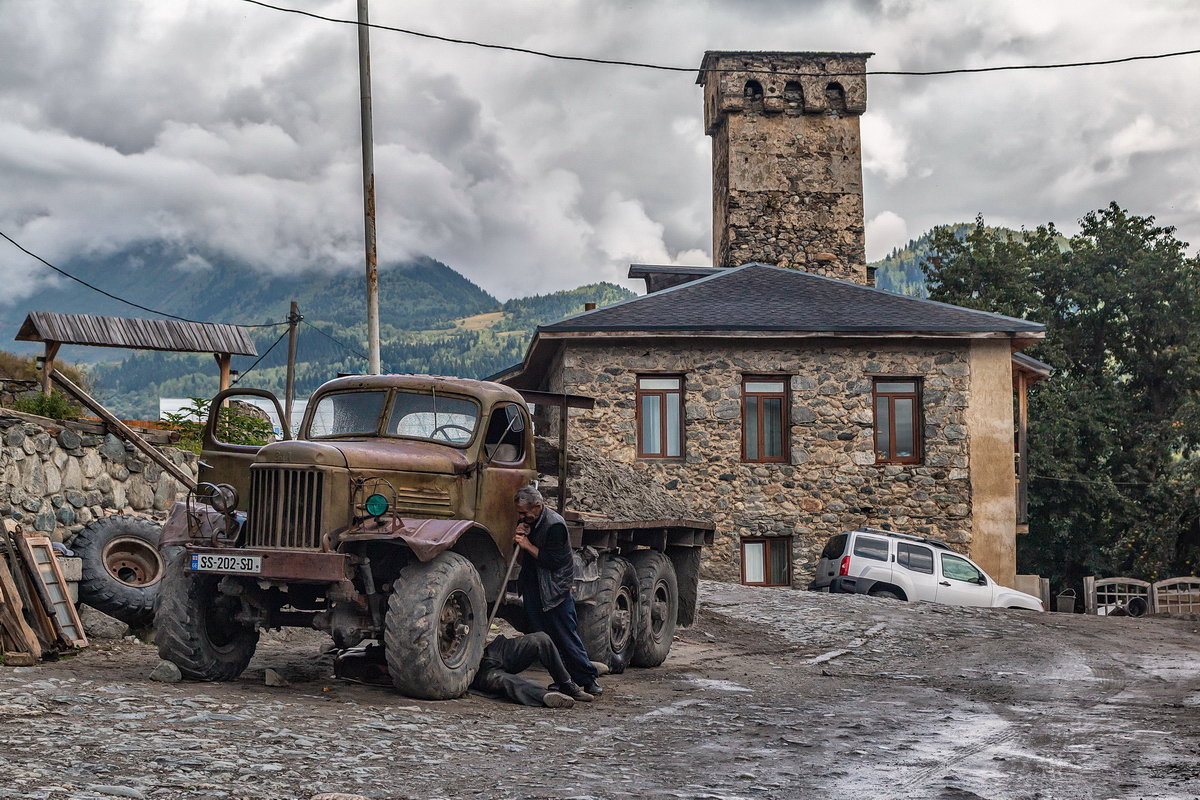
(435, 628)
(195, 627)
(607, 625)
(658, 606)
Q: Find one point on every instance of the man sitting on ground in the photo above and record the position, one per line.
(504, 658)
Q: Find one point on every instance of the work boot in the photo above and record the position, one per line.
(557, 700)
(594, 688)
(600, 667)
(573, 690)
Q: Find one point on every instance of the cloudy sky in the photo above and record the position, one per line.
(227, 124)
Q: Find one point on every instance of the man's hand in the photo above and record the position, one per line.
(521, 539)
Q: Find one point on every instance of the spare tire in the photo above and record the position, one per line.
(122, 568)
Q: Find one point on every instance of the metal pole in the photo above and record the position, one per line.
(368, 158)
(290, 390)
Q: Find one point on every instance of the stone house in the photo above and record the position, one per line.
(779, 393)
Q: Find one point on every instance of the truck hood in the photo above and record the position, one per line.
(374, 454)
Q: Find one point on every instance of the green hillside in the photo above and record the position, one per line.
(432, 319)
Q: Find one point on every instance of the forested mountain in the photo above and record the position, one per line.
(432, 319)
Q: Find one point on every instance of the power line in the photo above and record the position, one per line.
(671, 68)
(336, 341)
(94, 288)
(260, 358)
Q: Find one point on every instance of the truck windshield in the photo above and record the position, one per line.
(433, 416)
(348, 414)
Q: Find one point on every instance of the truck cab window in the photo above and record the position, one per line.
(505, 438)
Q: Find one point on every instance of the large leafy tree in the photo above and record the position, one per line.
(1115, 433)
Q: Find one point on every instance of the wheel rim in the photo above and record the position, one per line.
(132, 561)
(660, 607)
(621, 625)
(454, 629)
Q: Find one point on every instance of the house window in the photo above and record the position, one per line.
(767, 561)
(897, 421)
(764, 419)
(660, 416)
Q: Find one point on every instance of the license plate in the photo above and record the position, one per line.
(203, 562)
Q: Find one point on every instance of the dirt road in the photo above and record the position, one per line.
(773, 694)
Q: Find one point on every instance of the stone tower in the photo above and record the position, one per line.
(787, 160)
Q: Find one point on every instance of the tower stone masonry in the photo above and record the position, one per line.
(787, 159)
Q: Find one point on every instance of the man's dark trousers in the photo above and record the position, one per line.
(504, 658)
(561, 623)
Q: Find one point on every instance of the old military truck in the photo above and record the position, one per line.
(390, 517)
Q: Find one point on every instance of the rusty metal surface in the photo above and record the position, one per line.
(425, 537)
(303, 566)
(138, 334)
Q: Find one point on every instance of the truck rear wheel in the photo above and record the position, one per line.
(195, 629)
(607, 625)
(435, 628)
(658, 607)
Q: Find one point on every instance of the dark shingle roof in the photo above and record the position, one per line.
(757, 297)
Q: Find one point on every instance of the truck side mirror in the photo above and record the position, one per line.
(516, 422)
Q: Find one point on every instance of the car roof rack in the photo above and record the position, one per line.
(910, 537)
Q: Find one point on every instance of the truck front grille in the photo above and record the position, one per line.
(285, 508)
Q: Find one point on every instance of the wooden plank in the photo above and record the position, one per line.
(52, 586)
(13, 616)
(35, 614)
(124, 431)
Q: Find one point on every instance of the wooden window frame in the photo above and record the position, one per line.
(661, 394)
(784, 421)
(766, 540)
(918, 420)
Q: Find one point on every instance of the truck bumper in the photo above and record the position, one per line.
(299, 566)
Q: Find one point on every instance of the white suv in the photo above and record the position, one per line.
(904, 567)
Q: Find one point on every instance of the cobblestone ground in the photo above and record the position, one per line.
(773, 694)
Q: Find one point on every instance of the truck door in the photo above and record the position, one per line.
(961, 583)
(240, 421)
(505, 466)
(915, 571)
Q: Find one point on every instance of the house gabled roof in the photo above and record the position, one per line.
(758, 297)
(760, 300)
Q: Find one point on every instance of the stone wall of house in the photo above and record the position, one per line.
(56, 480)
(831, 482)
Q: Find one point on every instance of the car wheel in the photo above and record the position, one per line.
(886, 594)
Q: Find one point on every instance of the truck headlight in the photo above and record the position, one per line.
(376, 505)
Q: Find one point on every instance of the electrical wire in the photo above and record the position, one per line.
(94, 288)
(670, 68)
(336, 341)
(259, 359)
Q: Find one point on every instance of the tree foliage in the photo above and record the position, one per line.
(1114, 434)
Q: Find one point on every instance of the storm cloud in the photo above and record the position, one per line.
(232, 126)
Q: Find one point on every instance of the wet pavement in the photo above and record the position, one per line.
(773, 694)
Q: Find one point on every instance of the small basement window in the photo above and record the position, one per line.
(767, 561)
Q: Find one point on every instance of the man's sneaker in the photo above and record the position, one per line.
(594, 688)
(574, 690)
(600, 667)
(558, 700)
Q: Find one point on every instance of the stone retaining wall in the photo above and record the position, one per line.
(57, 480)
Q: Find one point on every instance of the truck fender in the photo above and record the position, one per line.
(427, 538)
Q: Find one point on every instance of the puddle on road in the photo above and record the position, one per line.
(717, 685)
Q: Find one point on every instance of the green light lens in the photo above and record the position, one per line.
(376, 505)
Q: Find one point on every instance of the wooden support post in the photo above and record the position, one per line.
(1023, 451)
(223, 362)
(48, 365)
(563, 413)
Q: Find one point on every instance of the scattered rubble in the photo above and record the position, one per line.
(166, 672)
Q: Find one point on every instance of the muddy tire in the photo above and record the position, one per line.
(194, 626)
(122, 568)
(658, 608)
(435, 628)
(607, 625)
(885, 594)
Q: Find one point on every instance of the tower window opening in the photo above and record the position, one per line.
(753, 91)
(835, 97)
(792, 93)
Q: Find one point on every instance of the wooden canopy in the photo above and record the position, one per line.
(223, 341)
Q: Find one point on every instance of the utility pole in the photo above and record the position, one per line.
(290, 391)
(368, 158)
